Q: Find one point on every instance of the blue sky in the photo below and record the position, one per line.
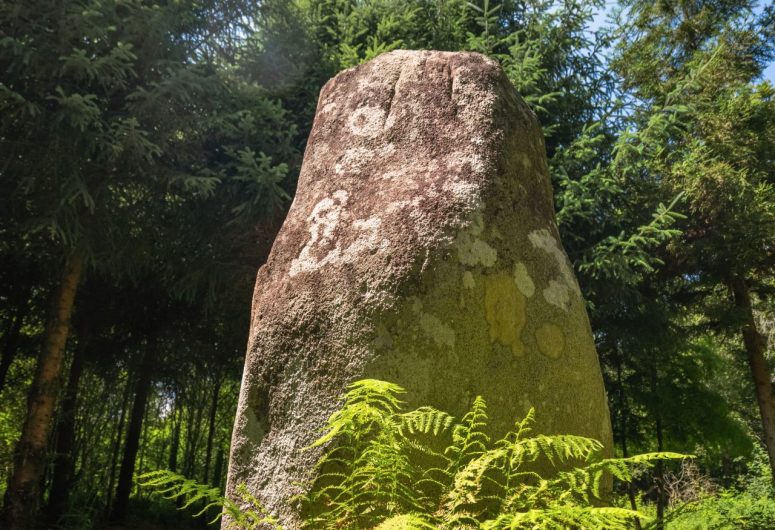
(600, 19)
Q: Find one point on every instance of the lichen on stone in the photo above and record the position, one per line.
(505, 311)
(436, 330)
(557, 294)
(523, 280)
(551, 340)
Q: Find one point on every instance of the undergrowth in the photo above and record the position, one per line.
(387, 468)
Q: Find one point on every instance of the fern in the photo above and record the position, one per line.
(564, 517)
(247, 514)
(386, 468)
(468, 438)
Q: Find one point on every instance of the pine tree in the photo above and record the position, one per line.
(703, 128)
(104, 112)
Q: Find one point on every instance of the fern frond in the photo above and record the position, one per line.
(424, 420)
(380, 471)
(564, 517)
(411, 521)
(246, 515)
(368, 403)
(468, 437)
(588, 479)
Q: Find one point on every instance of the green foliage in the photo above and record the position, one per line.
(381, 469)
(441, 474)
(628, 258)
(730, 510)
(163, 139)
(748, 506)
(245, 514)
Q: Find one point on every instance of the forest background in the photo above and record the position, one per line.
(149, 151)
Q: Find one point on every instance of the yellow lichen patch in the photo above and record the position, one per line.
(551, 340)
(505, 309)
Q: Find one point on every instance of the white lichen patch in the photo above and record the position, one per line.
(462, 190)
(557, 294)
(523, 280)
(551, 340)
(383, 339)
(473, 251)
(325, 217)
(436, 330)
(368, 239)
(477, 139)
(353, 160)
(477, 224)
(327, 107)
(543, 239)
(367, 121)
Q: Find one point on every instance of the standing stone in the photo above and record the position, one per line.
(421, 248)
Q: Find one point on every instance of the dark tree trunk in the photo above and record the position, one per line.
(64, 460)
(175, 444)
(117, 445)
(22, 497)
(192, 438)
(755, 346)
(134, 430)
(623, 411)
(143, 446)
(659, 474)
(218, 471)
(211, 430)
(659, 468)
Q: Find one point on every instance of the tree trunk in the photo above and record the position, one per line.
(218, 471)
(143, 447)
(64, 461)
(192, 438)
(21, 499)
(117, 444)
(134, 429)
(211, 430)
(659, 474)
(623, 411)
(755, 346)
(175, 443)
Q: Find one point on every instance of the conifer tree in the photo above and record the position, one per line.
(103, 106)
(702, 127)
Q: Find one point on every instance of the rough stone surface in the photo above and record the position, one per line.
(421, 248)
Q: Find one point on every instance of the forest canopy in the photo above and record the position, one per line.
(149, 151)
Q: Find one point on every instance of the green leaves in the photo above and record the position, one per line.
(380, 469)
(246, 514)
